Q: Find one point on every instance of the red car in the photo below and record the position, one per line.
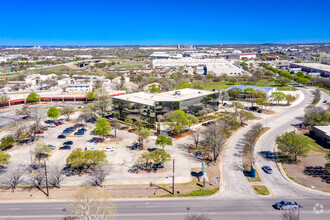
(60, 123)
(57, 123)
(39, 132)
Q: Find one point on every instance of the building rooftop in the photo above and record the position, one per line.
(318, 66)
(325, 129)
(171, 96)
(79, 85)
(265, 89)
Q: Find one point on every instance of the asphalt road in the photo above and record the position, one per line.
(280, 123)
(175, 209)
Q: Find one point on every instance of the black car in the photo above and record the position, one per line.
(158, 166)
(65, 147)
(61, 136)
(49, 121)
(25, 117)
(68, 143)
(25, 141)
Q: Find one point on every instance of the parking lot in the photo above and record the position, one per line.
(121, 159)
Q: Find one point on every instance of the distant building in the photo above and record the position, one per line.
(268, 90)
(159, 55)
(273, 58)
(322, 133)
(310, 68)
(241, 56)
(84, 88)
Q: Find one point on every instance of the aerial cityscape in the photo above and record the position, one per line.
(181, 110)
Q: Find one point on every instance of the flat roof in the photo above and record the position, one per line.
(79, 85)
(318, 66)
(325, 129)
(265, 89)
(146, 98)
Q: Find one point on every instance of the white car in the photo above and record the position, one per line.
(52, 125)
(109, 149)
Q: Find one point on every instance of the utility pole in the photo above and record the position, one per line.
(173, 179)
(46, 178)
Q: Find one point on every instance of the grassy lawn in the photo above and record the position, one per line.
(255, 180)
(261, 190)
(129, 66)
(224, 85)
(287, 89)
(199, 192)
(313, 145)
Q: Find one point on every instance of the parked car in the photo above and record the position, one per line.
(68, 143)
(52, 125)
(25, 117)
(325, 101)
(39, 132)
(109, 149)
(25, 141)
(79, 133)
(267, 169)
(52, 146)
(49, 121)
(57, 123)
(254, 108)
(260, 111)
(158, 166)
(270, 155)
(287, 205)
(83, 129)
(61, 136)
(65, 147)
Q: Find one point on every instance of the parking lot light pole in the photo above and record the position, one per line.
(46, 178)
(173, 179)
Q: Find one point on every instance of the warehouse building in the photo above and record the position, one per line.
(322, 69)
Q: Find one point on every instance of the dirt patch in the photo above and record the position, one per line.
(297, 171)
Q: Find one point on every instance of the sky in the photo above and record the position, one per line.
(167, 22)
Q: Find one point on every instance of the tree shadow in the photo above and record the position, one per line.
(318, 171)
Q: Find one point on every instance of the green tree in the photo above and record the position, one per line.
(237, 105)
(153, 88)
(233, 80)
(102, 127)
(235, 93)
(41, 151)
(6, 143)
(90, 95)
(129, 121)
(137, 125)
(4, 99)
(245, 116)
(292, 145)
(192, 119)
(316, 116)
(278, 96)
(262, 102)
(4, 158)
(33, 97)
(206, 100)
(228, 121)
(160, 156)
(92, 159)
(327, 157)
(178, 120)
(248, 92)
(67, 111)
(282, 81)
(259, 94)
(163, 141)
(53, 112)
(143, 135)
(290, 98)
